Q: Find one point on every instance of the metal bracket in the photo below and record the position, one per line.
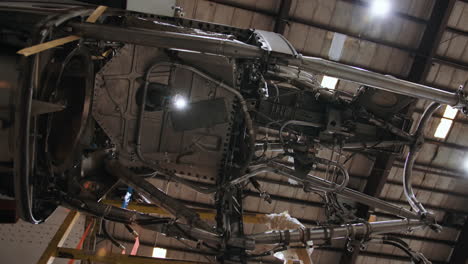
(275, 43)
(462, 104)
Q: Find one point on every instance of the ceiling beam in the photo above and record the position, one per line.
(460, 119)
(418, 72)
(457, 64)
(376, 181)
(282, 17)
(460, 251)
(430, 40)
(434, 169)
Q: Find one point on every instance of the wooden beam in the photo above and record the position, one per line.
(59, 238)
(251, 218)
(112, 258)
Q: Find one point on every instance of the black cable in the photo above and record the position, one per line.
(154, 221)
(131, 230)
(268, 252)
(192, 238)
(111, 238)
(399, 243)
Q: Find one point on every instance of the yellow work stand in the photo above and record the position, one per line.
(54, 250)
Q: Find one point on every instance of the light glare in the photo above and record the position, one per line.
(443, 128)
(380, 7)
(159, 252)
(180, 102)
(450, 112)
(329, 82)
(465, 164)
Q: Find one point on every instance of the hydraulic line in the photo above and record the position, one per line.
(298, 123)
(333, 187)
(415, 257)
(110, 237)
(354, 195)
(155, 195)
(334, 232)
(411, 158)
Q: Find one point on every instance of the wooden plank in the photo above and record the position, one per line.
(304, 9)
(263, 22)
(223, 14)
(204, 10)
(59, 238)
(324, 12)
(242, 18)
(61, 41)
(296, 35)
(70, 253)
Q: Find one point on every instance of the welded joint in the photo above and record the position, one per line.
(462, 104)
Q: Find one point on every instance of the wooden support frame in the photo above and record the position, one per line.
(59, 238)
(71, 253)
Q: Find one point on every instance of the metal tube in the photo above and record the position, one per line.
(339, 232)
(298, 123)
(155, 195)
(278, 147)
(373, 144)
(411, 158)
(348, 193)
(164, 39)
(376, 80)
(334, 188)
(249, 175)
(162, 225)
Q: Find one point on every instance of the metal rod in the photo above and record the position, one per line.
(155, 195)
(249, 175)
(339, 232)
(166, 226)
(379, 81)
(162, 39)
(411, 158)
(348, 193)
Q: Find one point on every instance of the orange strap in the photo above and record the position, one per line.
(83, 237)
